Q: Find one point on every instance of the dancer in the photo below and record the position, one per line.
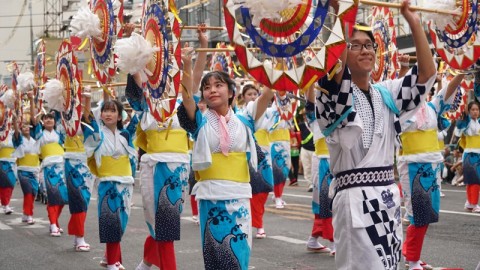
(79, 180)
(261, 178)
(112, 158)
(469, 130)
(49, 138)
(322, 178)
(8, 172)
(420, 170)
(222, 142)
(360, 123)
(27, 154)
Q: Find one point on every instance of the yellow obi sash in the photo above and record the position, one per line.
(262, 137)
(74, 144)
(233, 167)
(321, 148)
(6, 152)
(441, 145)
(280, 135)
(158, 142)
(114, 167)
(51, 149)
(420, 141)
(469, 141)
(29, 160)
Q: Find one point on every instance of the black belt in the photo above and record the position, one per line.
(365, 177)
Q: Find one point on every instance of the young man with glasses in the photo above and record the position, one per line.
(361, 122)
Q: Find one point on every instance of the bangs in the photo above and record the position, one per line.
(110, 105)
(218, 75)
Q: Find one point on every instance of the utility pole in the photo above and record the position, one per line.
(31, 35)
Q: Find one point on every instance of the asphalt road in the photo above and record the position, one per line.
(454, 242)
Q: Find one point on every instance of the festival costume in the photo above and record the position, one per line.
(322, 178)
(164, 172)
(261, 178)
(79, 183)
(52, 171)
(224, 145)
(420, 159)
(469, 130)
(361, 137)
(8, 171)
(112, 158)
(279, 150)
(28, 169)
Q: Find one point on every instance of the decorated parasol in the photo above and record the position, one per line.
(222, 60)
(383, 30)
(456, 41)
(39, 72)
(64, 93)
(285, 29)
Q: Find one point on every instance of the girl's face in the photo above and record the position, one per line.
(250, 95)
(216, 93)
(474, 111)
(48, 123)
(110, 116)
(25, 129)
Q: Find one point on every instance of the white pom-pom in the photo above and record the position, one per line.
(85, 24)
(134, 53)
(25, 81)
(441, 21)
(53, 94)
(8, 99)
(269, 9)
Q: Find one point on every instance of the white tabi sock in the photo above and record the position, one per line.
(142, 266)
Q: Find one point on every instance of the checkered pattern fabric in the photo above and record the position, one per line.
(406, 92)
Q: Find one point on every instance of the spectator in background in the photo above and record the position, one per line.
(295, 140)
(307, 151)
(448, 163)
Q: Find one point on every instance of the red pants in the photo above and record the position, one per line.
(257, 205)
(76, 225)
(113, 253)
(323, 227)
(194, 205)
(400, 188)
(6, 195)
(412, 247)
(278, 190)
(160, 253)
(28, 200)
(472, 193)
(54, 212)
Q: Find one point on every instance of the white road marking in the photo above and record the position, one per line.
(4, 227)
(288, 239)
(441, 211)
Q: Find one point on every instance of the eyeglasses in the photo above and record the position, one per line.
(358, 47)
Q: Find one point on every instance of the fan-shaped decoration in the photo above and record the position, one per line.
(385, 36)
(39, 73)
(102, 48)
(222, 61)
(459, 47)
(286, 106)
(456, 37)
(458, 106)
(15, 71)
(5, 121)
(161, 28)
(287, 37)
(67, 72)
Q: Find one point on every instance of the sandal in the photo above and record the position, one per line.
(82, 248)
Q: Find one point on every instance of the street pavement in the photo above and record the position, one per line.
(453, 243)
